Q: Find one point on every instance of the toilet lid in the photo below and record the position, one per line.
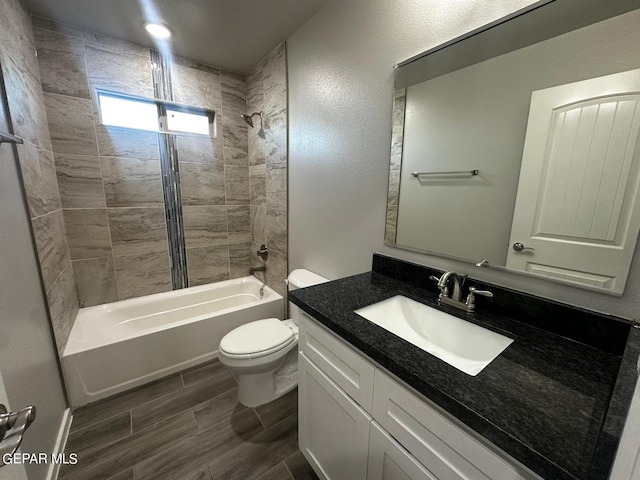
(260, 336)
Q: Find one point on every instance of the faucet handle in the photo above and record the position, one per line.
(434, 278)
(471, 298)
(484, 293)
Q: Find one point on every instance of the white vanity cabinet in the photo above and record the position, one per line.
(357, 422)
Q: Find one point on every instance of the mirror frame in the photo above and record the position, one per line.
(535, 23)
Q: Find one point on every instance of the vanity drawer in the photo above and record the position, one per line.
(351, 372)
(444, 448)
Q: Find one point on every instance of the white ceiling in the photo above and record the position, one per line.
(231, 34)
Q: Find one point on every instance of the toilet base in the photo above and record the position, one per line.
(255, 389)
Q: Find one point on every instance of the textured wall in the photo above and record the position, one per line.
(340, 114)
(110, 179)
(27, 107)
(267, 92)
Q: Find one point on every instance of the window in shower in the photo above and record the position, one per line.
(120, 110)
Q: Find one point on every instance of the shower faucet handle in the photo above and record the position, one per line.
(263, 251)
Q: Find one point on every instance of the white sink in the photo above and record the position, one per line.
(461, 344)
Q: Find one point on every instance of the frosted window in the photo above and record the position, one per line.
(179, 121)
(120, 110)
(128, 113)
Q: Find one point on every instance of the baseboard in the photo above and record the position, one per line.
(61, 441)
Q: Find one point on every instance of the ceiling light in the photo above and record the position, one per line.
(158, 30)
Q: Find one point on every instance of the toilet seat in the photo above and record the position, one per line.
(257, 339)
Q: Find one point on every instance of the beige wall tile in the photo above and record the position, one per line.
(258, 224)
(275, 142)
(208, 264)
(239, 218)
(276, 189)
(239, 254)
(145, 274)
(137, 231)
(236, 181)
(106, 43)
(235, 143)
(71, 124)
(277, 230)
(130, 182)
(234, 103)
(39, 176)
(87, 233)
(202, 184)
(122, 71)
(258, 185)
(80, 181)
(196, 86)
(95, 281)
(63, 307)
(51, 244)
(62, 64)
(127, 143)
(205, 225)
(199, 149)
(28, 113)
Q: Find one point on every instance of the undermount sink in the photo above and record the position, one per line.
(461, 344)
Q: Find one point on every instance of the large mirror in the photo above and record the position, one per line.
(517, 146)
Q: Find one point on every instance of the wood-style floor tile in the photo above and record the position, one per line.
(299, 467)
(215, 410)
(183, 458)
(259, 454)
(124, 454)
(126, 475)
(201, 372)
(189, 426)
(276, 411)
(279, 472)
(100, 434)
(181, 400)
(95, 412)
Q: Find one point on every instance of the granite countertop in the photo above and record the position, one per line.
(544, 400)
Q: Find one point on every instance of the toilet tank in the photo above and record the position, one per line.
(301, 278)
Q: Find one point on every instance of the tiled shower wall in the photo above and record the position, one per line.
(109, 178)
(267, 92)
(27, 109)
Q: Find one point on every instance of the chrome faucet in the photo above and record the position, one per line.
(455, 297)
(443, 285)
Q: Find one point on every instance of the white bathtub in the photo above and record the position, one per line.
(121, 345)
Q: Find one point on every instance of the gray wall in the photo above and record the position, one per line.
(267, 92)
(27, 351)
(340, 114)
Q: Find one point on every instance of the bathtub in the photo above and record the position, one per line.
(121, 345)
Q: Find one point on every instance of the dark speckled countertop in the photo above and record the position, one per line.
(547, 400)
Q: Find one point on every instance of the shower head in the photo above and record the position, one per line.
(249, 118)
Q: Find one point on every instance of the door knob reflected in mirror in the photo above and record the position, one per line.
(519, 247)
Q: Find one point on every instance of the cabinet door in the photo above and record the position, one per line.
(333, 429)
(338, 361)
(389, 461)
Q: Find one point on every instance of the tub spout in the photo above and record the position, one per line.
(258, 269)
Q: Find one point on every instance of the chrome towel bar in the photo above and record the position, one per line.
(6, 137)
(454, 172)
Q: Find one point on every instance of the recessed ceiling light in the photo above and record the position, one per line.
(158, 30)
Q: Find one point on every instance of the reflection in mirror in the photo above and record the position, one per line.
(552, 131)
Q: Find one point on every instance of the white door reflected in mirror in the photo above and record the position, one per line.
(577, 212)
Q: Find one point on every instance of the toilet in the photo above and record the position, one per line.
(264, 353)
